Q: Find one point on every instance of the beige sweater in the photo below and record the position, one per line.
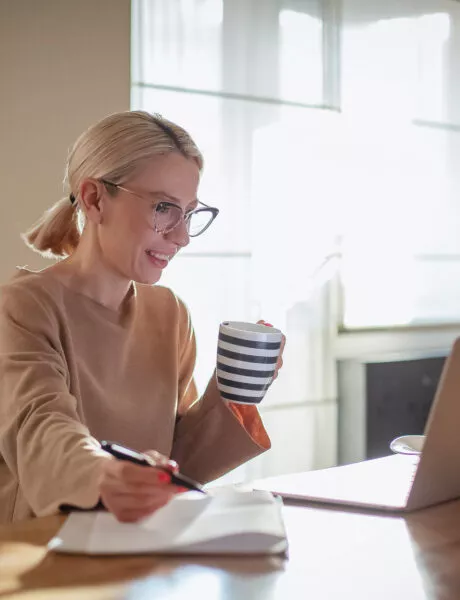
(73, 372)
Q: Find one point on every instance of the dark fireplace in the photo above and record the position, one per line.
(383, 398)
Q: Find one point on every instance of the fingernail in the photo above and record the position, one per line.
(173, 465)
(164, 478)
(268, 324)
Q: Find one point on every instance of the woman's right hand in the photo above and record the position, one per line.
(132, 492)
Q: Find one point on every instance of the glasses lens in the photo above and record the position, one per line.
(199, 221)
(167, 216)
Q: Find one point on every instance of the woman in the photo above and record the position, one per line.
(90, 350)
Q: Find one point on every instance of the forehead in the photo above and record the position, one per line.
(170, 173)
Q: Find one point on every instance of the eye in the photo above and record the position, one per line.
(163, 208)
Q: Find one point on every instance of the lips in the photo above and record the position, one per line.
(159, 260)
(159, 255)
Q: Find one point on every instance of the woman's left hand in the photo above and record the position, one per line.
(279, 362)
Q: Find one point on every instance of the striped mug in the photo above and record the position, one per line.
(246, 358)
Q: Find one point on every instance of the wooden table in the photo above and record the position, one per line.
(333, 554)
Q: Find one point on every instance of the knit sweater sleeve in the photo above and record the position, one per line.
(43, 441)
(212, 436)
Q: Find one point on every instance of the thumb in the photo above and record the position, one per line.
(262, 322)
(162, 461)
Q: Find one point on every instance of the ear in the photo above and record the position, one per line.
(90, 198)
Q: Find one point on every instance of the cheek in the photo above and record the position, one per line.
(122, 233)
(129, 223)
(127, 238)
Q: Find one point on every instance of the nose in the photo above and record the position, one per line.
(179, 235)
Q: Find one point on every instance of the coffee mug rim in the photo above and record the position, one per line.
(243, 328)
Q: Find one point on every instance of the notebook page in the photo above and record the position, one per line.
(192, 519)
(230, 513)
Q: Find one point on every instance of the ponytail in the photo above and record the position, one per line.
(56, 233)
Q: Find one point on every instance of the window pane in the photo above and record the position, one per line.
(249, 47)
(402, 59)
(402, 291)
(300, 53)
(178, 42)
(400, 241)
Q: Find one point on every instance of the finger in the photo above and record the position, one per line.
(118, 500)
(116, 485)
(141, 495)
(148, 482)
(262, 322)
(133, 501)
(157, 456)
(119, 488)
(135, 474)
(157, 491)
(279, 364)
(162, 460)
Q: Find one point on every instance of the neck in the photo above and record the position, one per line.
(85, 272)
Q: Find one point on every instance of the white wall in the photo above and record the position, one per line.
(64, 64)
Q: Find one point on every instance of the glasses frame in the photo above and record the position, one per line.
(186, 216)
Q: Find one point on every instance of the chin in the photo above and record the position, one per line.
(148, 278)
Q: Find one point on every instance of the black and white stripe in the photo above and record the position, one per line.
(246, 362)
(249, 343)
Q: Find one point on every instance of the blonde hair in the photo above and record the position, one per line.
(112, 149)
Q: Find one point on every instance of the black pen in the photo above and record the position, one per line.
(138, 458)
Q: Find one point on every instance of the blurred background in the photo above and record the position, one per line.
(331, 136)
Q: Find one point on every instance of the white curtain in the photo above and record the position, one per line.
(247, 78)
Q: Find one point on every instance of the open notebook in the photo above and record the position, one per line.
(226, 521)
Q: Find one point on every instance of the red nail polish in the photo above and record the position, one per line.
(268, 324)
(164, 478)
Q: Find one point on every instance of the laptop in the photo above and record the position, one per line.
(397, 483)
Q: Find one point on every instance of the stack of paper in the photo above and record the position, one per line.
(226, 521)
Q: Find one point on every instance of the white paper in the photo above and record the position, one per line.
(225, 521)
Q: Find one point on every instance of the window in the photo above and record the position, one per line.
(400, 171)
(331, 136)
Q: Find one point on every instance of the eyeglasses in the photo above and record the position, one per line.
(166, 216)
